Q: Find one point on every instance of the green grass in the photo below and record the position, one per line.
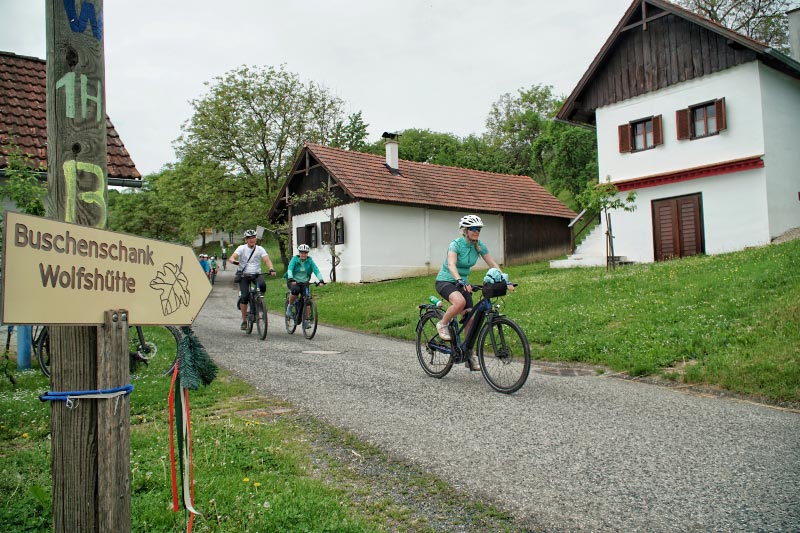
(731, 320)
(258, 464)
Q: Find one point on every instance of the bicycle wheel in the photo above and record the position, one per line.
(291, 325)
(160, 352)
(504, 355)
(310, 315)
(261, 318)
(43, 350)
(434, 354)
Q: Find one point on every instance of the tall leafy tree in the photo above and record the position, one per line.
(253, 120)
(145, 212)
(352, 134)
(568, 155)
(515, 122)
(763, 20)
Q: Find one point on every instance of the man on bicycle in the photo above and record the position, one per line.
(299, 271)
(251, 256)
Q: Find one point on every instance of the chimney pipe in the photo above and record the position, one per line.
(392, 150)
(794, 33)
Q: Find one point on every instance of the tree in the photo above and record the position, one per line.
(568, 155)
(763, 20)
(23, 187)
(253, 121)
(351, 135)
(514, 124)
(426, 146)
(604, 198)
(145, 212)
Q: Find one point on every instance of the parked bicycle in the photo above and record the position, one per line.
(256, 311)
(305, 311)
(142, 350)
(499, 343)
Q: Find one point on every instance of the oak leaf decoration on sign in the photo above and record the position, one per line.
(174, 287)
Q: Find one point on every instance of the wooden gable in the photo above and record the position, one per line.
(657, 44)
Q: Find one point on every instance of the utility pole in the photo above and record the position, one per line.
(90, 439)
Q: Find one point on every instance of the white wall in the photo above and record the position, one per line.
(781, 110)
(744, 137)
(388, 242)
(732, 209)
(734, 206)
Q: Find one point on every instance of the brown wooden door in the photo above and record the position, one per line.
(678, 227)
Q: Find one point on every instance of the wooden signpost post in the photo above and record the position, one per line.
(90, 438)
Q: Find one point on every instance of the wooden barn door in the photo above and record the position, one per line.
(678, 227)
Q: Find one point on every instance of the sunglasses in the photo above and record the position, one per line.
(475, 229)
(303, 252)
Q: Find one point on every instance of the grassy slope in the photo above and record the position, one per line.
(730, 320)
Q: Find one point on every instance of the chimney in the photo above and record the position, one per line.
(794, 33)
(392, 150)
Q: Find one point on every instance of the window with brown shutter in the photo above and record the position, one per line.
(701, 120)
(683, 123)
(326, 232)
(640, 134)
(624, 132)
(658, 137)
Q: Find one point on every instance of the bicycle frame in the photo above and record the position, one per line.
(300, 303)
(475, 320)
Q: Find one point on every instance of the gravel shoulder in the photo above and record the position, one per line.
(567, 452)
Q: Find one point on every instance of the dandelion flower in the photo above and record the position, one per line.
(256, 484)
(246, 480)
(25, 435)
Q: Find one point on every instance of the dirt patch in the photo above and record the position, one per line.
(790, 235)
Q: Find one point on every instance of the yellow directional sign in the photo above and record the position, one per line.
(60, 273)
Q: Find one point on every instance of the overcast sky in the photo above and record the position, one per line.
(428, 64)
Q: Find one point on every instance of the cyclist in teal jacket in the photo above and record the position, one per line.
(299, 271)
(452, 282)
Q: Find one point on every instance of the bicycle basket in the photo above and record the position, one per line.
(492, 290)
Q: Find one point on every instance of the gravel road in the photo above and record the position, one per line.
(586, 452)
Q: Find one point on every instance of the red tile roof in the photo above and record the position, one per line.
(23, 116)
(366, 177)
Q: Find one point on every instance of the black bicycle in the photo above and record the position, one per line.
(256, 310)
(499, 343)
(305, 311)
(143, 350)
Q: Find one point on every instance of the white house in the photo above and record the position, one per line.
(701, 122)
(394, 218)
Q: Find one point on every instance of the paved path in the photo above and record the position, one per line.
(568, 453)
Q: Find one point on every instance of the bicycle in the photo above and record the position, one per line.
(501, 346)
(142, 350)
(256, 311)
(305, 310)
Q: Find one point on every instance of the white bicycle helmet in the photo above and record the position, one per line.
(304, 248)
(469, 221)
(250, 233)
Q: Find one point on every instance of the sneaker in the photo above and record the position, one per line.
(306, 324)
(472, 363)
(244, 325)
(289, 311)
(443, 331)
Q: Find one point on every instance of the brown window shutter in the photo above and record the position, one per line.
(722, 123)
(658, 136)
(301, 236)
(624, 132)
(683, 122)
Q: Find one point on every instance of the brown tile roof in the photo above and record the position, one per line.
(366, 177)
(23, 116)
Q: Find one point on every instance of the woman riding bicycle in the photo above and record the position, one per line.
(452, 281)
(299, 271)
(249, 257)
